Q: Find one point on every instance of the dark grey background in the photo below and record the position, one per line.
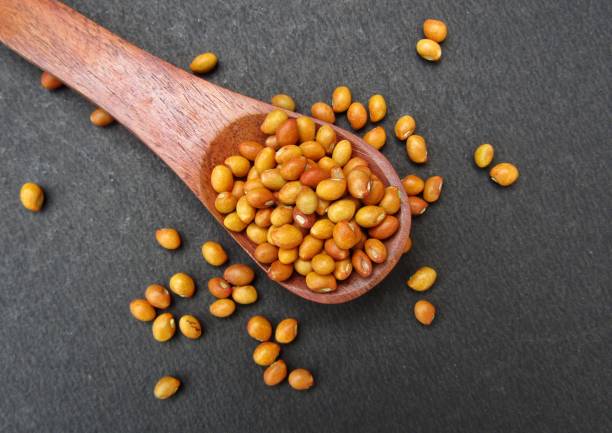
(523, 335)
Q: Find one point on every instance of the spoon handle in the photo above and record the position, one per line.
(173, 112)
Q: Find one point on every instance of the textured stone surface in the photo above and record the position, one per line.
(522, 339)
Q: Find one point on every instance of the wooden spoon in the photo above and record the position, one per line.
(191, 124)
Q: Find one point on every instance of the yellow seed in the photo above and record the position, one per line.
(142, 310)
(435, 30)
(429, 50)
(163, 327)
(166, 387)
(32, 196)
(190, 327)
(483, 155)
(404, 127)
(342, 152)
(504, 174)
(222, 179)
(433, 188)
(301, 379)
(306, 128)
(273, 121)
(283, 101)
(169, 239)
(204, 63)
(424, 311)
(100, 117)
(275, 373)
(286, 331)
(266, 353)
(213, 253)
(341, 99)
(377, 107)
(416, 148)
(376, 137)
(322, 111)
(422, 279)
(238, 164)
(259, 328)
(182, 284)
(222, 308)
(234, 223)
(244, 295)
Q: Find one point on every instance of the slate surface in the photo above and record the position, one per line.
(523, 337)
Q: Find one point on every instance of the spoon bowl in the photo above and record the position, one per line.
(191, 124)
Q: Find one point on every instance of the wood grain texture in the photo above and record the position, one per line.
(191, 124)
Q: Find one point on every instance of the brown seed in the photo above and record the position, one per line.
(50, 82)
(239, 274)
(429, 50)
(357, 115)
(213, 253)
(99, 117)
(263, 218)
(404, 127)
(244, 295)
(302, 220)
(266, 253)
(169, 239)
(293, 169)
(418, 206)
(32, 196)
(287, 133)
(313, 150)
(259, 328)
(166, 387)
(362, 263)
(385, 229)
(408, 245)
(286, 331)
(416, 148)
(335, 251)
(260, 198)
(301, 379)
(435, 30)
(249, 149)
(266, 353)
(280, 271)
(483, 155)
(376, 137)
(219, 288)
(377, 107)
(433, 188)
(424, 311)
(413, 184)
(163, 327)
(190, 327)
(422, 279)
(283, 101)
(504, 174)
(182, 284)
(222, 308)
(142, 310)
(346, 234)
(358, 182)
(275, 373)
(376, 192)
(322, 111)
(352, 164)
(158, 296)
(376, 250)
(204, 63)
(341, 99)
